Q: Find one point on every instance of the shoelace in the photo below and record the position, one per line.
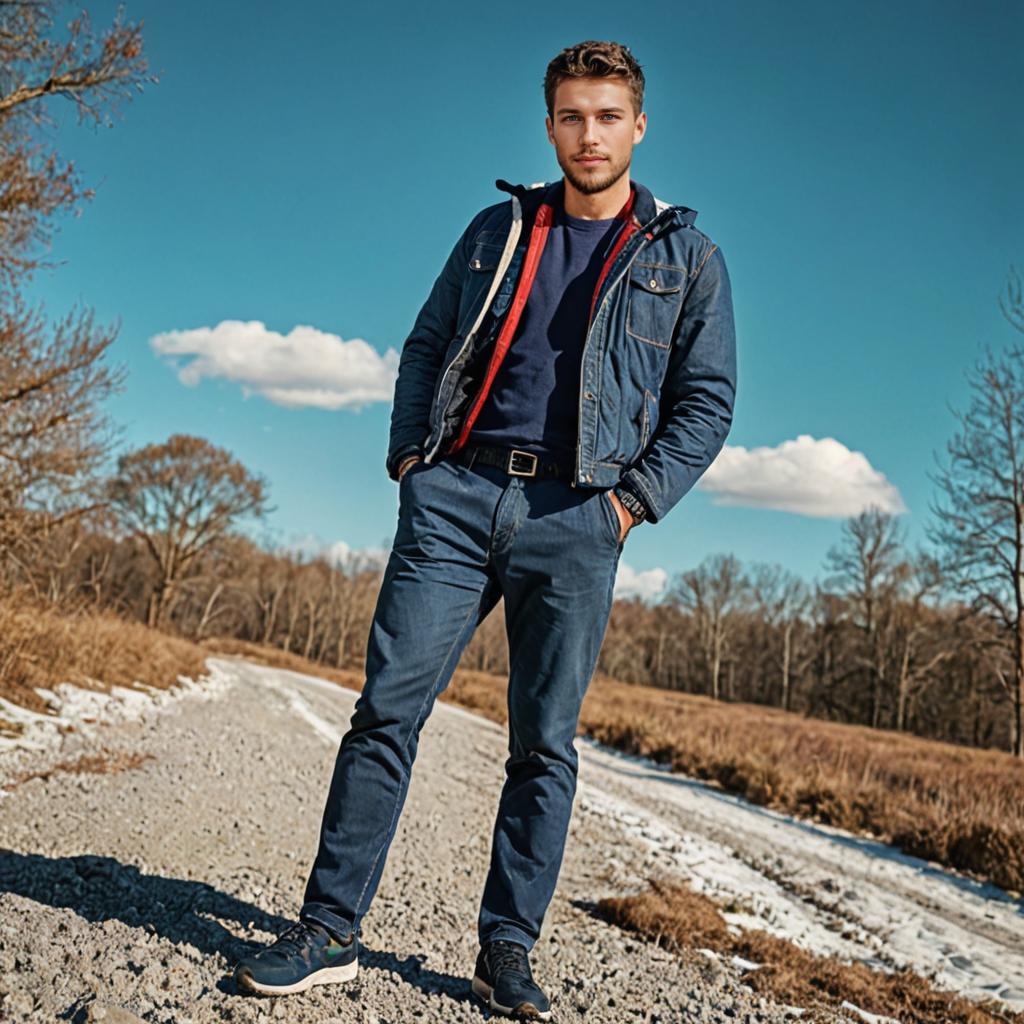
(508, 956)
(295, 936)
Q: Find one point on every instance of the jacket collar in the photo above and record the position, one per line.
(646, 206)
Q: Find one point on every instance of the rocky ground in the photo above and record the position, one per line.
(130, 894)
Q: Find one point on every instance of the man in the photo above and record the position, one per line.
(571, 374)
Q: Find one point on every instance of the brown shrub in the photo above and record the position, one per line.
(105, 763)
(681, 920)
(95, 650)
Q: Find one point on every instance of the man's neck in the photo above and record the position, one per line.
(598, 205)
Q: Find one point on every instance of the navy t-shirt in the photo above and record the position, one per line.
(534, 398)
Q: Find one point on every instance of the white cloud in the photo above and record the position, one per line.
(338, 553)
(356, 559)
(813, 477)
(647, 585)
(305, 367)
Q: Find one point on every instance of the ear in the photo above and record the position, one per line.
(640, 127)
(549, 125)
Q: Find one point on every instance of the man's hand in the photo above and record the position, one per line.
(625, 518)
(406, 463)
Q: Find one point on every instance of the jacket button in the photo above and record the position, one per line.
(476, 264)
(654, 284)
(587, 478)
(588, 394)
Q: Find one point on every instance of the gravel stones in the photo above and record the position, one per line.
(129, 896)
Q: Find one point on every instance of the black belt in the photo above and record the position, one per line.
(516, 461)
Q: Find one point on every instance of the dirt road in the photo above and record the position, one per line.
(130, 894)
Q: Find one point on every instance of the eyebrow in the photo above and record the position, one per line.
(603, 110)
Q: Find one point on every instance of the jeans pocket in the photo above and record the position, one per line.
(610, 515)
(405, 495)
(412, 469)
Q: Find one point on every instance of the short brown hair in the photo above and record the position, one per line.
(594, 59)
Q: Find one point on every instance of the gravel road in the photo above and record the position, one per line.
(130, 895)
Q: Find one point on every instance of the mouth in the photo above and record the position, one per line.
(589, 161)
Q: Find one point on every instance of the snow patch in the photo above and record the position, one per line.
(826, 890)
(73, 708)
(320, 727)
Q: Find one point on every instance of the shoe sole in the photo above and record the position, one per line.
(325, 976)
(527, 1009)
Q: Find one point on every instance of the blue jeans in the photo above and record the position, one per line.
(466, 536)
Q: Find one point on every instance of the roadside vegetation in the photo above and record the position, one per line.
(685, 922)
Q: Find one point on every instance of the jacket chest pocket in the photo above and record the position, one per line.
(655, 296)
(483, 262)
(485, 256)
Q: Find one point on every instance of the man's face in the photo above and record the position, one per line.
(593, 117)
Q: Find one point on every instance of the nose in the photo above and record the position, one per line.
(588, 131)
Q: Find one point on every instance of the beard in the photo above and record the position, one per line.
(591, 182)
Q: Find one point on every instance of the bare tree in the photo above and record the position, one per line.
(266, 586)
(979, 514)
(867, 568)
(94, 73)
(782, 599)
(1011, 303)
(52, 380)
(314, 593)
(922, 645)
(180, 497)
(53, 435)
(713, 592)
(353, 593)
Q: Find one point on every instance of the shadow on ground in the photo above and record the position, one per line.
(184, 911)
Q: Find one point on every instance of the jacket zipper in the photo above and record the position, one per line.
(531, 261)
(645, 425)
(514, 231)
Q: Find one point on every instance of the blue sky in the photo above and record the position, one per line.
(858, 163)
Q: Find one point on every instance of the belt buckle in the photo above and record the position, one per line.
(532, 471)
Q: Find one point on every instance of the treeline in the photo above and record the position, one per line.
(931, 643)
(872, 644)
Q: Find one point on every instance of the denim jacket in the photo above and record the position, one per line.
(658, 372)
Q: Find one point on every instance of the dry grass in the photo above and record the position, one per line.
(94, 650)
(954, 805)
(684, 921)
(105, 763)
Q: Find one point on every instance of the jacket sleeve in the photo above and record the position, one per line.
(421, 357)
(697, 396)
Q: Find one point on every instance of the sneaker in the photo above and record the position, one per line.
(502, 979)
(305, 954)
